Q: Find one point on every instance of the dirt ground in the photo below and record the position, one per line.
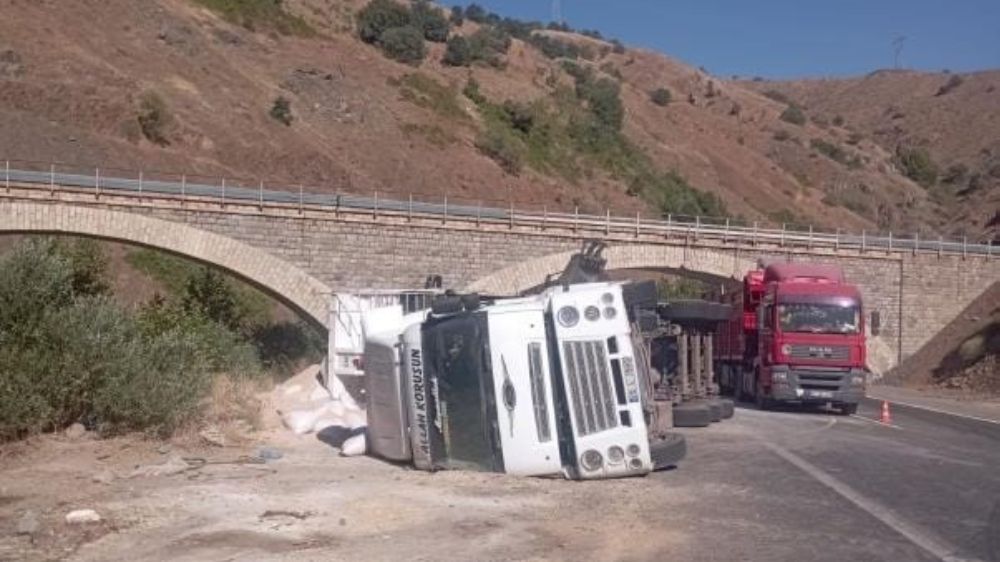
(310, 504)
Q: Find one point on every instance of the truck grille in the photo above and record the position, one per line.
(821, 380)
(594, 402)
(829, 352)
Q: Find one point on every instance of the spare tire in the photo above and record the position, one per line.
(692, 414)
(445, 305)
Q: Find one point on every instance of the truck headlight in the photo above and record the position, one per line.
(592, 313)
(615, 454)
(635, 464)
(779, 376)
(607, 298)
(568, 316)
(786, 349)
(591, 460)
(858, 380)
(634, 450)
(610, 312)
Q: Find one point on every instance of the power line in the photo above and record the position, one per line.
(898, 42)
(557, 16)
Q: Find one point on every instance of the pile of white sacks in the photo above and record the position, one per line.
(318, 408)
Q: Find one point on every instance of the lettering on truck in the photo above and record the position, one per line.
(420, 400)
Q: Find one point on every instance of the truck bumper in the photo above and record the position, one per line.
(818, 386)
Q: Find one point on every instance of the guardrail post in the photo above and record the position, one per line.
(140, 186)
(637, 223)
(576, 218)
(7, 175)
(916, 242)
(890, 241)
(697, 226)
(725, 235)
(510, 215)
(864, 241)
(836, 242)
(670, 220)
(607, 221)
(783, 227)
(301, 199)
(184, 183)
(545, 216)
(375, 207)
(753, 241)
(445, 209)
(260, 196)
(479, 213)
(52, 180)
(810, 245)
(97, 183)
(223, 193)
(409, 208)
(940, 245)
(965, 247)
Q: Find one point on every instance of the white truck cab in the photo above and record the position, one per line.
(540, 385)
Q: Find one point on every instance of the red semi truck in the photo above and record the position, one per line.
(796, 335)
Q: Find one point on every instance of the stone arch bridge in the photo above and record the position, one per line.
(301, 252)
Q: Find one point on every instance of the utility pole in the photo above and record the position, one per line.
(557, 11)
(897, 49)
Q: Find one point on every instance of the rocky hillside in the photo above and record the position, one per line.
(300, 92)
(944, 129)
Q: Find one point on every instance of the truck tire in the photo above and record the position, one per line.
(692, 414)
(695, 310)
(848, 409)
(728, 408)
(667, 452)
(715, 408)
(445, 305)
(760, 399)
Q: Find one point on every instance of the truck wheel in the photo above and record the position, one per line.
(760, 399)
(848, 409)
(715, 408)
(668, 451)
(692, 414)
(728, 408)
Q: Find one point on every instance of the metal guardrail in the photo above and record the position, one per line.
(725, 230)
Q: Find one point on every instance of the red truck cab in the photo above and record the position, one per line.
(798, 337)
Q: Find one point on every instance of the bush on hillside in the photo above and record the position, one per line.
(154, 118)
(503, 147)
(431, 20)
(257, 15)
(281, 111)
(794, 115)
(458, 52)
(457, 16)
(404, 44)
(917, 165)
(661, 97)
(379, 16)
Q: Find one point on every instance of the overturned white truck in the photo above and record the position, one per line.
(547, 384)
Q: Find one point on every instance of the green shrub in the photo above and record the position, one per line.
(476, 13)
(777, 96)
(457, 16)
(379, 16)
(34, 278)
(431, 21)
(830, 150)
(917, 165)
(489, 45)
(794, 115)
(838, 121)
(661, 97)
(154, 118)
(281, 111)
(257, 15)
(426, 92)
(403, 44)
(680, 288)
(472, 91)
(458, 52)
(952, 83)
(503, 146)
(617, 47)
(781, 135)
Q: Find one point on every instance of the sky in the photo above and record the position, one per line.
(790, 38)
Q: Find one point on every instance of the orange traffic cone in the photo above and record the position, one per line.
(886, 416)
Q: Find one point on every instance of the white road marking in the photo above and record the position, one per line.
(875, 421)
(939, 411)
(923, 539)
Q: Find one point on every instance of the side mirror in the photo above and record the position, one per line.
(876, 323)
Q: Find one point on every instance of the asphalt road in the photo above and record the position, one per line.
(807, 485)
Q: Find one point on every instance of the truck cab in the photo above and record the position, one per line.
(811, 338)
(539, 385)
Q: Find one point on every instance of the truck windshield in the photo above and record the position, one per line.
(820, 317)
(457, 350)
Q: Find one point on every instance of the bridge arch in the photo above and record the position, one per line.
(521, 276)
(293, 286)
